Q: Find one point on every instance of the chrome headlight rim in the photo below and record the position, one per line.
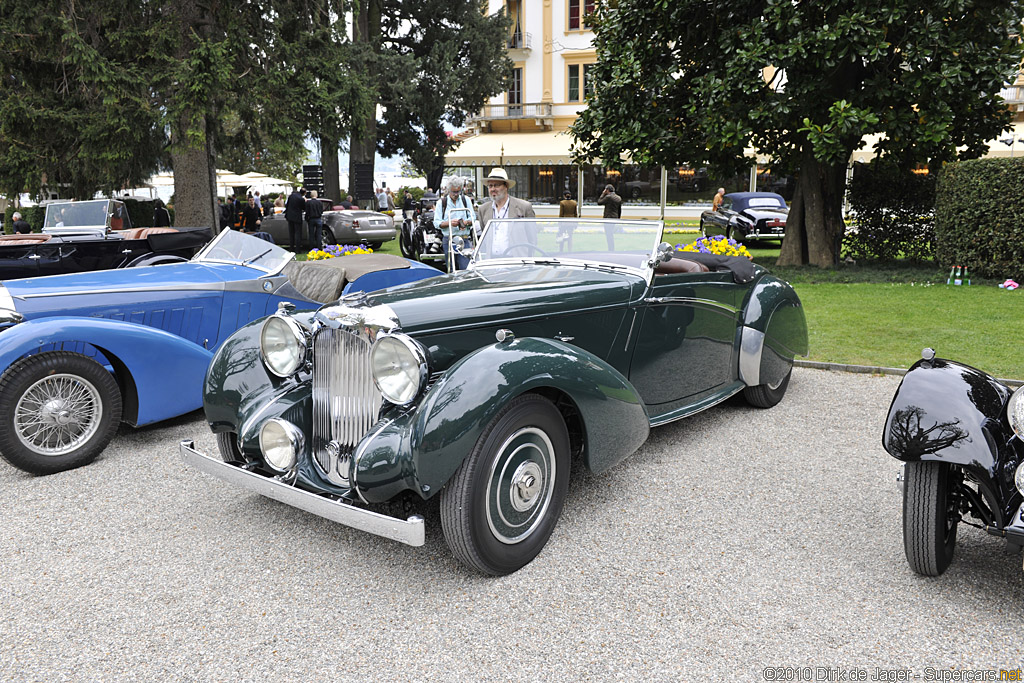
(298, 337)
(293, 434)
(1018, 478)
(1015, 412)
(419, 360)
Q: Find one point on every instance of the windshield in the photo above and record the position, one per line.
(591, 241)
(231, 246)
(76, 214)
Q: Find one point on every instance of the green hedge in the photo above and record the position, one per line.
(979, 217)
(33, 214)
(894, 211)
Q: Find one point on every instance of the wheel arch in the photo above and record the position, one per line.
(774, 332)
(599, 404)
(948, 412)
(160, 374)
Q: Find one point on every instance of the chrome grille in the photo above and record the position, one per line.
(345, 401)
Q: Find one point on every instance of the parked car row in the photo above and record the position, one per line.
(340, 385)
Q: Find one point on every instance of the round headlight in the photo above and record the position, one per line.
(1018, 478)
(399, 368)
(282, 345)
(280, 443)
(1015, 412)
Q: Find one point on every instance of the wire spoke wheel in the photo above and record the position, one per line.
(58, 410)
(58, 414)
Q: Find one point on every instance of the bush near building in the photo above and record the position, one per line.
(33, 214)
(894, 213)
(979, 217)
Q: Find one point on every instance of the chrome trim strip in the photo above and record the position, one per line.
(410, 531)
(255, 285)
(691, 300)
(751, 346)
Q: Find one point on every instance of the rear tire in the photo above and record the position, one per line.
(766, 395)
(58, 411)
(930, 516)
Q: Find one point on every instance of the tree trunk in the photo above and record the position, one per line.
(195, 175)
(361, 152)
(331, 168)
(815, 227)
(195, 193)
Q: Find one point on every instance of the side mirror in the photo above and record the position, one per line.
(663, 254)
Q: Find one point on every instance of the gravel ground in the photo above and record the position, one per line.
(734, 540)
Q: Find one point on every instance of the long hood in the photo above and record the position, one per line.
(498, 295)
(65, 294)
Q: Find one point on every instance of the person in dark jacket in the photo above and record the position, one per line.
(293, 209)
(252, 216)
(161, 216)
(21, 227)
(314, 219)
(225, 212)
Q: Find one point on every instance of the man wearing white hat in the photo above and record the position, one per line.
(502, 206)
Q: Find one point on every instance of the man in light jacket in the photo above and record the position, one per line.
(501, 206)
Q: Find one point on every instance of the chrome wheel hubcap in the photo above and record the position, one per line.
(520, 485)
(58, 414)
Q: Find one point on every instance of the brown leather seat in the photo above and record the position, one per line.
(681, 265)
(142, 233)
(23, 239)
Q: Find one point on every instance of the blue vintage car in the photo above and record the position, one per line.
(83, 352)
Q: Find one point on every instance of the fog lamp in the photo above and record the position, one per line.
(280, 443)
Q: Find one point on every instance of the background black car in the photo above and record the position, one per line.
(747, 216)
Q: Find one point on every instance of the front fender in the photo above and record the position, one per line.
(161, 371)
(442, 431)
(949, 412)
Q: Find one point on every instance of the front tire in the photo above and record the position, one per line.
(58, 411)
(930, 516)
(327, 236)
(503, 502)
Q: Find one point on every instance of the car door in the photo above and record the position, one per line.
(686, 346)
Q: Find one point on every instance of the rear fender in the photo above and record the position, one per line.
(948, 412)
(774, 332)
(446, 425)
(160, 373)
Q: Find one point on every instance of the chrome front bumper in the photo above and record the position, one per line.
(410, 531)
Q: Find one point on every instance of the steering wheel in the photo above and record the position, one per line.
(532, 247)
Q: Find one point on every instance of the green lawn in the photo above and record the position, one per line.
(884, 314)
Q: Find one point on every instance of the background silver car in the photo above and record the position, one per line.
(346, 226)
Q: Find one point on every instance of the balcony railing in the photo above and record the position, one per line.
(520, 41)
(1014, 94)
(492, 112)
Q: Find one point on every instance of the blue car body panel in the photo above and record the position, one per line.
(155, 327)
(167, 371)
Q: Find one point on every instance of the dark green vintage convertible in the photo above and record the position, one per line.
(566, 340)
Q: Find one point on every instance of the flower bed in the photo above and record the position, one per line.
(719, 245)
(335, 250)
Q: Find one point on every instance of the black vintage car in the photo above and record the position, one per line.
(959, 431)
(747, 216)
(93, 235)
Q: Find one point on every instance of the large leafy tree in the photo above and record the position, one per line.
(701, 81)
(77, 113)
(429, 63)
